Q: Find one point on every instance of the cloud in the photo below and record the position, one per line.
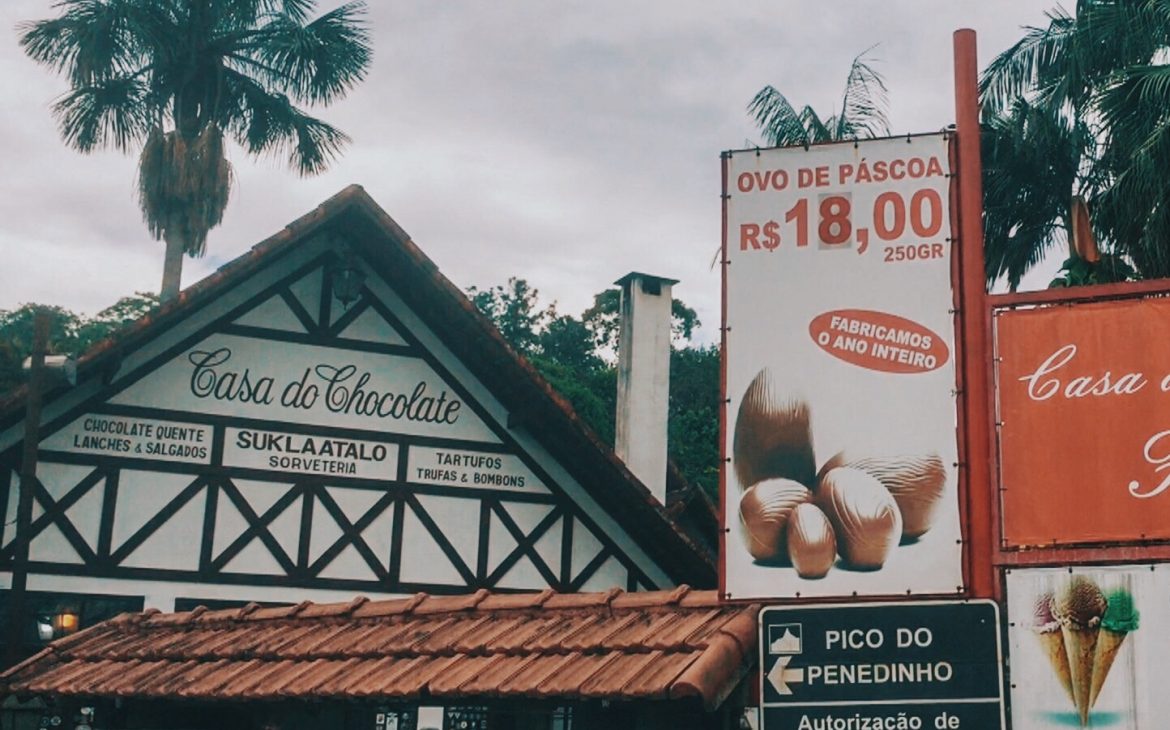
(564, 143)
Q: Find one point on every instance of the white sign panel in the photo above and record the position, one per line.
(471, 469)
(841, 420)
(239, 376)
(310, 454)
(134, 438)
(1088, 647)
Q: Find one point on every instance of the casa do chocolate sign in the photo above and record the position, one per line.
(236, 376)
(1084, 435)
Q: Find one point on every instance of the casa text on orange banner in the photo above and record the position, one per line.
(1084, 408)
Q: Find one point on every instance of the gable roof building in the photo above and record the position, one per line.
(328, 415)
(324, 417)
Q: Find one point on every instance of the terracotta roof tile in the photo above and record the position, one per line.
(392, 607)
(659, 676)
(460, 672)
(265, 614)
(392, 680)
(612, 645)
(520, 632)
(582, 600)
(617, 676)
(526, 681)
(579, 670)
(650, 599)
(500, 601)
(333, 609)
(502, 669)
(450, 604)
(451, 636)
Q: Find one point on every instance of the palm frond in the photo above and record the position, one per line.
(1017, 71)
(109, 112)
(248, 13)
(1032, 167)
(862, 113)
(779, 122)
(865, 104)
(317, 144)
(92, 40)
(816, 130)
(270, 123)
(318, 62)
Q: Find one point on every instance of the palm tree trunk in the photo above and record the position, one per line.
(172, 265)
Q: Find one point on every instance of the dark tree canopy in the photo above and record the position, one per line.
(1079, 110)
(575, 355)
(69, 333)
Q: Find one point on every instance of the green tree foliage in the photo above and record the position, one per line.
(862, 114)
(69, 333)
(1080, 108)
(694, 415)
(179, 77)
(602, 320)
(575, 355)
(515, 309)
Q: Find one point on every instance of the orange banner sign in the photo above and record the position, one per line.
(1084, 401)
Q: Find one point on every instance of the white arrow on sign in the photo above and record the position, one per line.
(780, 675)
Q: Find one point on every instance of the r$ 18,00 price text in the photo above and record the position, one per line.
(893, 217)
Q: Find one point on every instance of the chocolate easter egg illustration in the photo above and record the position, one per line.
(916, 481)
(864, 516)
(812, 544)
(773, 436)
(764, 511)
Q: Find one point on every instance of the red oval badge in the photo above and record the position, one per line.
(879, 341)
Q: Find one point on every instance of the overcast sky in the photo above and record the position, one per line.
(566, 143)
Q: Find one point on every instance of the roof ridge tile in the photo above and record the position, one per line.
(583, 600)
(451, 604)
(516, 601)
(650, 599)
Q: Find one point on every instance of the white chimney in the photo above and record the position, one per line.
(643, 378)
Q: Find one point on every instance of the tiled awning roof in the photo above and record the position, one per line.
(614, 645)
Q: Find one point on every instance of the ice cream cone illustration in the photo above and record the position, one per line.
(1078, 607)
(1048, 632)
(1119, 619)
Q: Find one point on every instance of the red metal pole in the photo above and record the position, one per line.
(724, 164)
(974, 324)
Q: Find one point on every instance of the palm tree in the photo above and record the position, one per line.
(862, 113)
(179, 76)
(1032, 166)
(1076, 110)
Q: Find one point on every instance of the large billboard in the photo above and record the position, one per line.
(1088, 647)
(840, 437)
(1084, 440)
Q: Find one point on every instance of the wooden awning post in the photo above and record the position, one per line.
(28, 475)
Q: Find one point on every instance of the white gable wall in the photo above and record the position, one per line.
(207, 517)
